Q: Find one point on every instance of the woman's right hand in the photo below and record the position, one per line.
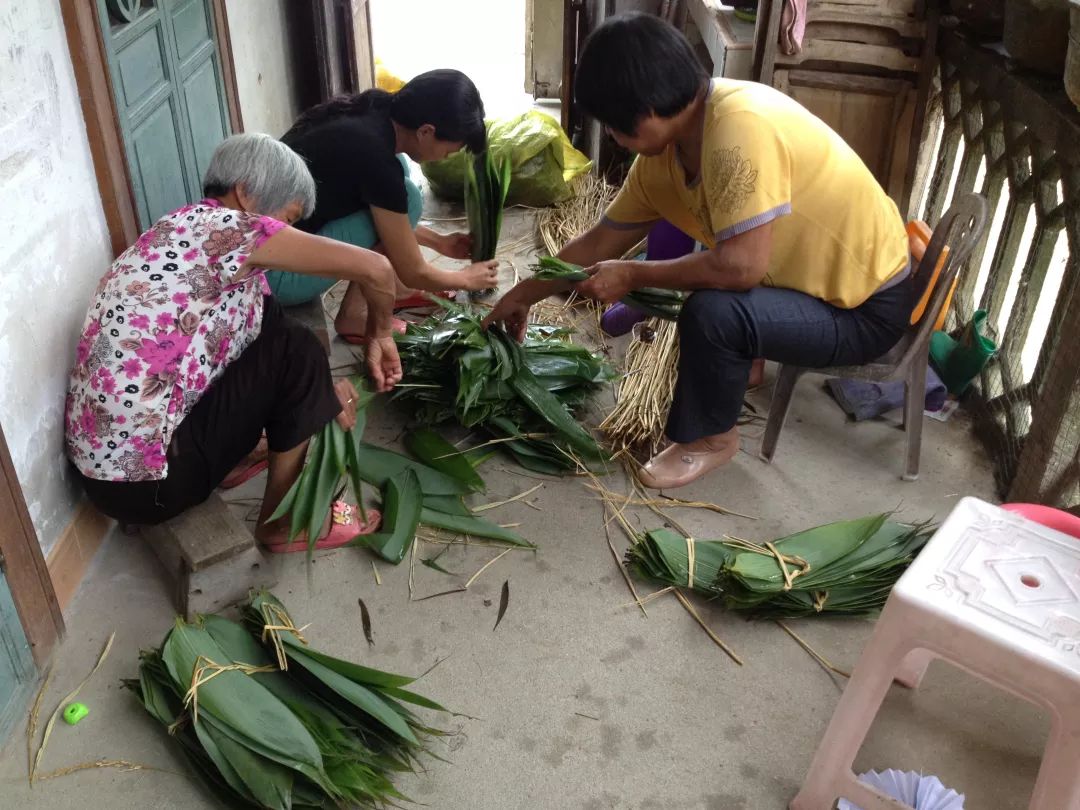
(479, 276)
(383, 363)
(512, 313)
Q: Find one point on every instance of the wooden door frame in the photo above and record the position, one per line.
(87, 46)
(21, 558)
(24, 566)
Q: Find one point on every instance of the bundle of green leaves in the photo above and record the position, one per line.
(654, 302)
(845, 568)
(269, 722)
(487, 181)
(523, 394)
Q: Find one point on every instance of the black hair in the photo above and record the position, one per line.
(446, 99)
(634, 65)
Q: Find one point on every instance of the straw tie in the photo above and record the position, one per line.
(206, 670)
(782, 560)
(691, 559)
(272, 613)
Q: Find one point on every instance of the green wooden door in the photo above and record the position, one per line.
(17, 670)
(170, 98)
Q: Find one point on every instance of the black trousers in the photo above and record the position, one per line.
(281, 383)
(721, 332)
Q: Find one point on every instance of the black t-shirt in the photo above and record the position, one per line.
(354, 165)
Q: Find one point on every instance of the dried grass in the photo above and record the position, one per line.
(569, 219)
(60, 707)
(636, 423)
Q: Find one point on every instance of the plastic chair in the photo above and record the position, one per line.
(996, 595)
(960, 228)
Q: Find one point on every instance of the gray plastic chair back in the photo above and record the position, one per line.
(960, 228)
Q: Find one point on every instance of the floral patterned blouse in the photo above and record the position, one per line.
(166, 320)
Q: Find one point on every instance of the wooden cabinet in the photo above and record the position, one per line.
(864, 67)
(728, 40)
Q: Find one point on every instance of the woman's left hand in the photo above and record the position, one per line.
(346, 395)
(383, 363)
(610, 282)
(456, 246)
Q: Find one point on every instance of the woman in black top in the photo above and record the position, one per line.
(355, 148)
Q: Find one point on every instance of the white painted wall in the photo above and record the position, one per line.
(262, 55)
(53, 249)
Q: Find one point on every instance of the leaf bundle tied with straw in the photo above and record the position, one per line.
(845, 568)
(269, 722)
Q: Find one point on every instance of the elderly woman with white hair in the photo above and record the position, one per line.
(184, 358)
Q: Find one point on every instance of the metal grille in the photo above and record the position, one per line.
(1015, 140)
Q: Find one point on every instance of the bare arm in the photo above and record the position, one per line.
(595, 245)
(298, 252)
(400, 243)
(738, 263)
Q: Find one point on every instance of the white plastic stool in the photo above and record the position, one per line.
(996, 595)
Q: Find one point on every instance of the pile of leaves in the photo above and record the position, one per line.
(429, 490)
(487, 180)
(524, 394)
(269, 722)
(845, 568)
(654, 302)
(431, 493)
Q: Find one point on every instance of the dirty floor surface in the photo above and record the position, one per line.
(579, 700)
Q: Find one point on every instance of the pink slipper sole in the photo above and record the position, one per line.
(397, 325)
(420, 299)
(236, 479)
(340, 534)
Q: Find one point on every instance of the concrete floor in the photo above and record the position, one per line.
(580, 701)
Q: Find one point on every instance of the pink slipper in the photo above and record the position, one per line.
(420, 299)
(235, 479)
(345, 526)
(397, 325)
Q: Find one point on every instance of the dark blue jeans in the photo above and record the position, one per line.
(721, 332)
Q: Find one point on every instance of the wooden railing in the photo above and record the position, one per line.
(1016, 140)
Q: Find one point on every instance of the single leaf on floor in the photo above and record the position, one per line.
(365, 621)
(504, 603)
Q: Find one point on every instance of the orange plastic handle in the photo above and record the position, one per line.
(919, 234)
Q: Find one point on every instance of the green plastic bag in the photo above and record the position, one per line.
(542, 161)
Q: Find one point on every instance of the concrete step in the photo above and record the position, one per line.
(212, 560)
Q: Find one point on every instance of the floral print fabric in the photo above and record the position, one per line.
(166, 320)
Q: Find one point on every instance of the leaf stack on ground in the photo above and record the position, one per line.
(525, 395)
(267, 721)
(845, 568)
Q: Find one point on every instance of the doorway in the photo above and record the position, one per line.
(482, 38)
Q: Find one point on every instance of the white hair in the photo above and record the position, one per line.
(271, 173)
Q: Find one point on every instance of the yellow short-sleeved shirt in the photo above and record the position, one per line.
(765, 158)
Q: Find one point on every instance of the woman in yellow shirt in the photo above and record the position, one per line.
(807, 261)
